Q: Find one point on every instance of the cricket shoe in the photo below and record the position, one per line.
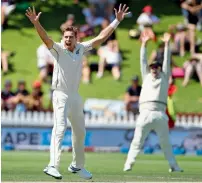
(52, 171)
(175, 169)
(128, 167)
(82, 172)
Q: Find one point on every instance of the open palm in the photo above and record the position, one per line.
(31, 14)
(122, 12)
(166, 37)
(144, 37)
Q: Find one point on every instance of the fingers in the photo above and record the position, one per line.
(166, 37)
(124, 6)
(120, 7)
(126, 10)
(115, 10)
(30, 10)
(127, 13)
(34, 10)
(39, 14)
(28, 13)
(145, 35)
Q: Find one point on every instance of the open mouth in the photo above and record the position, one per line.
(68, 44)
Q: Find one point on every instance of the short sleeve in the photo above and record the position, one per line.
(87, 46)
(139, 91)
(128, 90)
(144, 19)
(55, 50)
(155, 19)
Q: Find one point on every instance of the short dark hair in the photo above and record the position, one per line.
(71, 29)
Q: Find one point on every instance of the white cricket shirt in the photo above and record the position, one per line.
(68, 66)
(154, 90)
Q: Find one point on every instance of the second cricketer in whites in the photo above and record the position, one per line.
(152, 106)
(67, 103)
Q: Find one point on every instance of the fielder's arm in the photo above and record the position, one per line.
(166, 62)
(34, 18)
(143, 61)
(104, 34)
(143, 55)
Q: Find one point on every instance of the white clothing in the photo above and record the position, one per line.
(43, 56)
(67, 103)
(147, 121)
(152, 104)
(9, 8)
(154, 91)
(145, 19)
(67, 109)
(110, 56)
(68, 66)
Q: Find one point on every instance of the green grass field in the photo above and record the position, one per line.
(105, 167)
(22, 38)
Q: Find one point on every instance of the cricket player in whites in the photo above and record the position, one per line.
(152, 105)
(67, 103)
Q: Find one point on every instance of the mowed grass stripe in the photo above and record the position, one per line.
(28, 166)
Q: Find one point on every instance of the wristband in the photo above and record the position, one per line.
(114, 24)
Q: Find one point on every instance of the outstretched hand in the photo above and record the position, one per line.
(122, 12)
(166, 37)
(145, 37)
(31, 14)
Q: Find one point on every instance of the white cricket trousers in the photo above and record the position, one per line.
(147, 121)
(67, 108)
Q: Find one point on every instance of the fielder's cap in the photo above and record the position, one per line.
(135, 78)
(155, 63)
(8, 83)
(70, 16)
(36, 84)
(147, 9)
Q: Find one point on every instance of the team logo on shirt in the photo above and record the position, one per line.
(77, 52)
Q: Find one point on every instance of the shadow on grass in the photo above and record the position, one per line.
(53, 15)
(124, 54)
(24, 71)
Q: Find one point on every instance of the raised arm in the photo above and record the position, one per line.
(104, 34)
(34, 18)
(167, 54)
(143, 57)
(152, 56)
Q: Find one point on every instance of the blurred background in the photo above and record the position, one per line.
(111, 82)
